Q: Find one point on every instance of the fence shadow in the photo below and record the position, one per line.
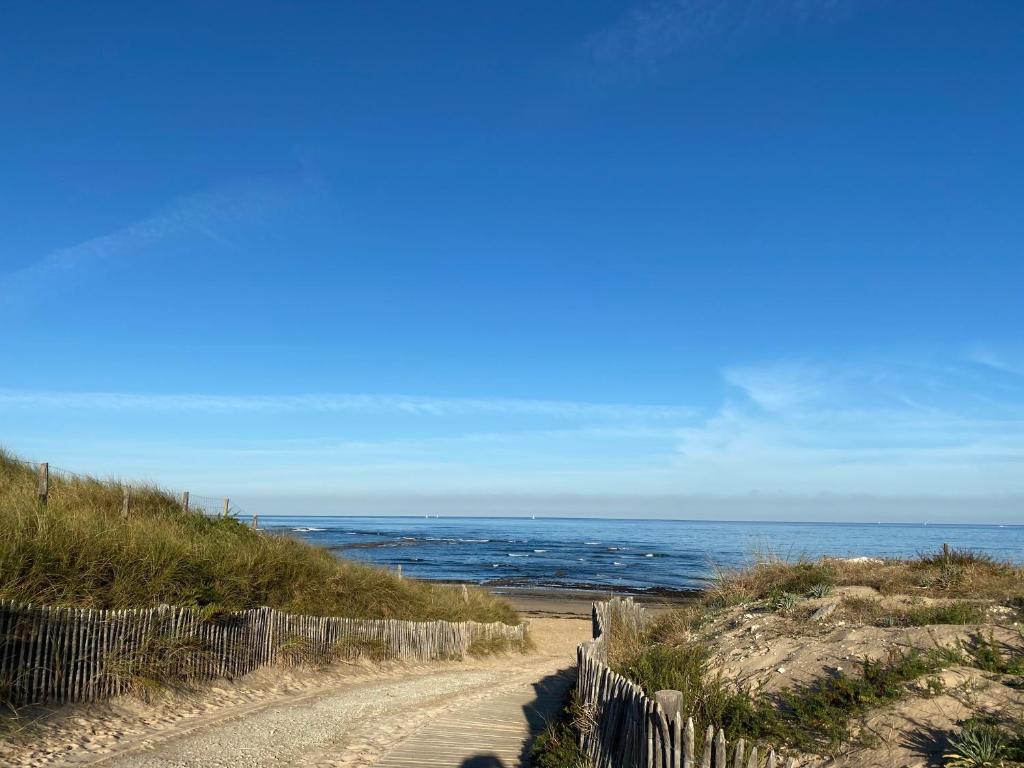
(550, 695)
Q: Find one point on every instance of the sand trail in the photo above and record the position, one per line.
(481, 712)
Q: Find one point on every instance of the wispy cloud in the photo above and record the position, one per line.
(1001, 357)
(782, 385)
(204, 214)
(337, 403)
(657, 29)
(925, 424)
(879, 426)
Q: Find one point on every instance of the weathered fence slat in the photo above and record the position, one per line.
(85, 654)
(630, 729)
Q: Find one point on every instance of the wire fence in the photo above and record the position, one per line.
(211, 506)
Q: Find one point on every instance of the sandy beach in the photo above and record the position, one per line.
(342, 716)
(577, 603)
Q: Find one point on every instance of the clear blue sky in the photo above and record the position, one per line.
(340, 256)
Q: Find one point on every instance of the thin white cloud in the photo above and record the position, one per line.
(656, 29)
(339, 403)
(1005, 358)
(783, 385)
(859, 426)
(848, 427)
(202, 214)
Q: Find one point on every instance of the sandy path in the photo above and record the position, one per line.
(349, 721)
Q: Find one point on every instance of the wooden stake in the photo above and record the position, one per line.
(44, 483)
(227, 507)
(126, 501)
(184, 501)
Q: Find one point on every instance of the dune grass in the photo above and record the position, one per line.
(78, 551)
(951, 573)
(820, 717)
(670, 651)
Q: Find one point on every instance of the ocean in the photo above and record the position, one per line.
(624, 555)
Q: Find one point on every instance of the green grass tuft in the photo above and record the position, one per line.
(78, 551)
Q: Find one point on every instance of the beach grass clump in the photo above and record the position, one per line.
(160, 664)
(990, 655)
(871, 611)
(950, 573)
(959, 612)
(557, 746)
(78, 550)
(486, 646)
(986, 741)
(820, 717)
(769, 576)
(674, 651)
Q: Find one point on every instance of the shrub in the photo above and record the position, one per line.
(988, 654)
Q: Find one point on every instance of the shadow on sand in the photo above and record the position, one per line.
(548, 700)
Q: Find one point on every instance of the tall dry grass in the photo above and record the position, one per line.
(950, 573)
(78, 551)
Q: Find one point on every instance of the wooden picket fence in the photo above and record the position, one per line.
(63, 655)
(624, 728)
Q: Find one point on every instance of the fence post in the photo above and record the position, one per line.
(399, 573)
(184, 501)
(255, 521)
(670, 701)
(44, 483)
(227, 507)
(126, 500)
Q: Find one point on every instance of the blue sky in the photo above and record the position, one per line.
(630, 257)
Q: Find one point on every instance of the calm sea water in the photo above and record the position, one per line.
(621, 554)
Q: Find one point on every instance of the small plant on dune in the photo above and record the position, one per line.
(779, 600)
(952, 613)
(557, 745)
(295, 651)
(978, 745)
(161, 664)
(950, 575)
(863, 610)
(871, 611)
(953, 556)
(820, 590)
(485, 646)
(351, 648)
(990, 655)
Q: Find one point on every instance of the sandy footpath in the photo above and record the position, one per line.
(348, 715)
